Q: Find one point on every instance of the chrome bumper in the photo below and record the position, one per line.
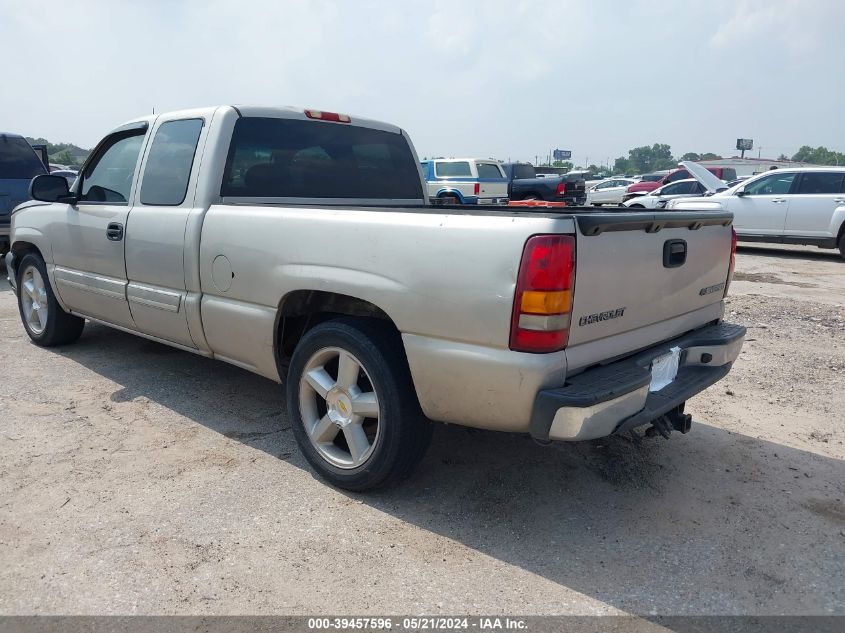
(615, 398)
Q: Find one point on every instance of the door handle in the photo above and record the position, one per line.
(674, 253)
(114, 231)
(778, 200)
(839, 200)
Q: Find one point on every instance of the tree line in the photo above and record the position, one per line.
(645, 159)
(62, 153)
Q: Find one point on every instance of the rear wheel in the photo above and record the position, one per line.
(636, 206)
(842, 245)
(44, 320)
(352, 405)
(449, 199)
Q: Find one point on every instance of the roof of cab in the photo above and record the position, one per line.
(273, 112)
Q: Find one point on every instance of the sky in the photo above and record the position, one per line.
(510, 79)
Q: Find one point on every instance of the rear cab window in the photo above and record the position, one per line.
(681, 174)
(18, 161)
(294, 158)
(522, 171)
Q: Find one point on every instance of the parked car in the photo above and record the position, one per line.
(658, 198)
(608, 191)
(19, 164)
(67, 174)
(786, 206)
(299, 245)
(673, 175)
(525, 184)
(465, 181)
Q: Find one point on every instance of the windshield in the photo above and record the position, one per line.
(18, 161)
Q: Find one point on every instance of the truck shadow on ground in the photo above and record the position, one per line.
(713, 521)
(821, 255)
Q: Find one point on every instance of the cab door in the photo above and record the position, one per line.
(88, 244)
(155, 236)
(760, 207)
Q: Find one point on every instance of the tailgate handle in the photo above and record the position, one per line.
(674, 253)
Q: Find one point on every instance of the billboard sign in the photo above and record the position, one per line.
(744, 144)
(562, 154)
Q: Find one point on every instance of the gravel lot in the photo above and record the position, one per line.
(140, 479)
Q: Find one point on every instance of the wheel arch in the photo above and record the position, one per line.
(451, 192)
(300, 310)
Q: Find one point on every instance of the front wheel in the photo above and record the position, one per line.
(636, 206)
(44, 320)
(352, 405)
(842, 245)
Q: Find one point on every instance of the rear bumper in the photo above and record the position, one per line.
(571, 200)
(615, 398)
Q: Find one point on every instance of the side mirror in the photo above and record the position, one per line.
(741, 193)
(49, 188)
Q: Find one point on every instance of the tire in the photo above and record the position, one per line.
(842, 245)
(636, 206)
(450, 200)
(350, 450)
(532, 196)
(44, 320)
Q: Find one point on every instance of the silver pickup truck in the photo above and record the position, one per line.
(299, 245)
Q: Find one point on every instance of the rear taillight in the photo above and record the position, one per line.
(542, 303)
(477, 188)
(561, 188)
(733, 261)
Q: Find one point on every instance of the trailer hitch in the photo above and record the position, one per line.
(675, 420)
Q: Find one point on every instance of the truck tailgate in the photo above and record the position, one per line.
(635, 270)
(493, 189)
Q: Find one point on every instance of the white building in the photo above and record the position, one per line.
(751, 166)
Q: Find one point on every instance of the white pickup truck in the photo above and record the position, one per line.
(299, 245)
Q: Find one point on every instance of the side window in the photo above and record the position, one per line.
(673, 189)
(168, 168)
(424, 169)
(489, 170)
(108, 177)
(772, 185)
(821, 182)
(453, 170)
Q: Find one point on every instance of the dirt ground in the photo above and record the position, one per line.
(140, 479)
